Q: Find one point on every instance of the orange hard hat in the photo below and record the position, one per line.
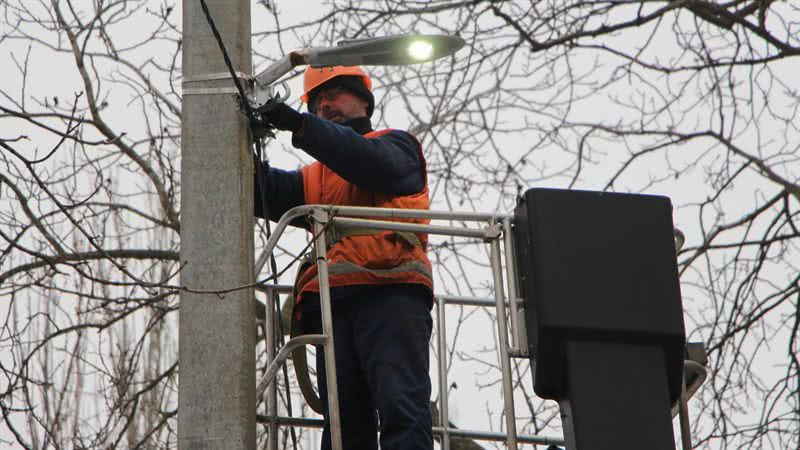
(317, 76)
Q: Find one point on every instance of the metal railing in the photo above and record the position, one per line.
(495, 230)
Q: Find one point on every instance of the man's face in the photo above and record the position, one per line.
(339, 105)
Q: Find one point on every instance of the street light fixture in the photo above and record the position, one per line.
(386, 51)
(382, 51)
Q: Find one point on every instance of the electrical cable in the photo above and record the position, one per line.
(259, 126)
(244, 103)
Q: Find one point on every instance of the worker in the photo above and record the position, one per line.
(381, 282)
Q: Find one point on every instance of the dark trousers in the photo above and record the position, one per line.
(381, 336)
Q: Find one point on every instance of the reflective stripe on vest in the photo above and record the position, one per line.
(345, 267)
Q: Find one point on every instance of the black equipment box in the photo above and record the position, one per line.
(597, 267)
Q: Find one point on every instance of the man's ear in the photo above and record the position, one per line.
(363, 104)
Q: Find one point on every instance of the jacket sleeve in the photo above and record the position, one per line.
(282, 189)
(389, 164)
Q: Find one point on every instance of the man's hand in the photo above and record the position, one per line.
(284, 117)
(261, 129)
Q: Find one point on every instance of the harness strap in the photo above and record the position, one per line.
(335, 234)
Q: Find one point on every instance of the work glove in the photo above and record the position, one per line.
(261, 129)
(284, 117)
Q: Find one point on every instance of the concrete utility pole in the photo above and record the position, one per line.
(216, 394)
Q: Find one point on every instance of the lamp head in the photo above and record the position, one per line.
(385, 51)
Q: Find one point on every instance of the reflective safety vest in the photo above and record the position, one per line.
(374, 257)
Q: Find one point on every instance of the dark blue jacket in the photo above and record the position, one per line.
(386, 164)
